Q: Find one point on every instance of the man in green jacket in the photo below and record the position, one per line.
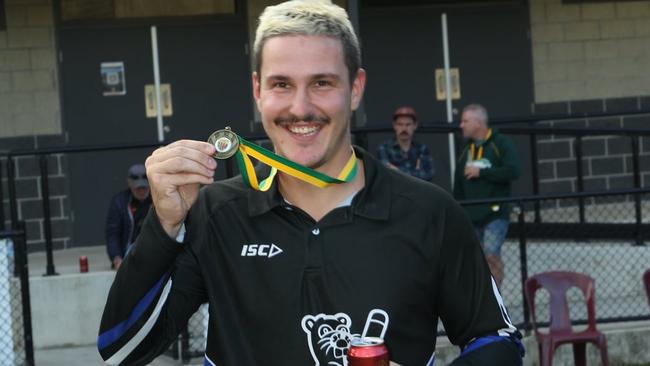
(487, 165)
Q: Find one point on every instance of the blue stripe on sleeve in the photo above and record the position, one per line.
(110, 336)
(480, 342)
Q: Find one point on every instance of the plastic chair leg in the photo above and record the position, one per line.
(580, 354)
(546, 354)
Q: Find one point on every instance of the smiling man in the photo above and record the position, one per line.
(294, 272)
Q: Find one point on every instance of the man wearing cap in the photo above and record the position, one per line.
(404, 154)
(125, 214)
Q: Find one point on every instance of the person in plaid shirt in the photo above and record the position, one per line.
(404, 154)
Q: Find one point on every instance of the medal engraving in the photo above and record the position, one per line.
(225, 142)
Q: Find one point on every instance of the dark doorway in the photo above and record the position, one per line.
(403, 47)
(207, 66)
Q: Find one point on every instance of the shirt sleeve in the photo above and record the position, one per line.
(510, 167)
(156, 290)
(382, 154)
(469, 302)
(114, 229)
(426, 169)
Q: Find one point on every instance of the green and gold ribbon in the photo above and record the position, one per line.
(248, 149)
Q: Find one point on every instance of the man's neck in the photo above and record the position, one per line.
(482, 134)
(315, 201)
(405, 145)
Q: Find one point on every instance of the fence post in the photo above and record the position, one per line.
(20, 246)
(580, 182)
(535, 174)
(11, 187)
(2, 202)
(523, 259)
(637, 185)
(47, 216)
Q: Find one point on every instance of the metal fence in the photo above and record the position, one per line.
(604, 246)
(16, 347)
(599, 233)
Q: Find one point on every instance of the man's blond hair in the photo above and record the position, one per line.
(308, 18)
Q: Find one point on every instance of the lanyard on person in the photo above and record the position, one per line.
(228, 143)
(472, 147)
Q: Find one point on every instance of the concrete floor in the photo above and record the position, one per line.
(83, 356)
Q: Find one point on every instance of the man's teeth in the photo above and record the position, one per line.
(303, 130)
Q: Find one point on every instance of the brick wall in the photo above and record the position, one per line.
(29, 100)
(591, 50)
(29, 194)
(607, 160)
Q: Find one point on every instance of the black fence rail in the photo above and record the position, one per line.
(603, 244)
(16, 342)
(547, 231)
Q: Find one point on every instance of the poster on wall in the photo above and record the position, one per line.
(113, 80)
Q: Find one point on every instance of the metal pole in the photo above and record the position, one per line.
(2, 202)
(523, 259)
(47, 216)
(156, 78)
(637, 184)
(535, 174)
(11, 187)
(353, 14)
(450, 118)
(21, 258)
(580, 182)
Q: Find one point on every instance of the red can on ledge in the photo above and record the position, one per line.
(368, 351)
(83, 264)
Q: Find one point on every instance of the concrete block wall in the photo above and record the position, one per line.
(29, 195)
(590, 50)
(29, 98)
(607, 160)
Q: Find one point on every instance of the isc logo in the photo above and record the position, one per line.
(260, 250)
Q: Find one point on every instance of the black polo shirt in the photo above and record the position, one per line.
(284, 289)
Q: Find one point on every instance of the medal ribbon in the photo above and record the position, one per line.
(248, 149)
(472, 147)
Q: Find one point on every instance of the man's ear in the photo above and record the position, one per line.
(256, 88)
(358, 86)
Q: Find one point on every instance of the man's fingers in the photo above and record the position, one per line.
(203, 146)
(178, 180)
(171, 152)
(179, 165)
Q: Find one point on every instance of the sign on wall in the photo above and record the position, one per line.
(113, 80)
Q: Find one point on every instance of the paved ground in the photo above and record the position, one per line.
(83, 356)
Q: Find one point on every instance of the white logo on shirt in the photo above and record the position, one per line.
(260, 250)
(329, 336)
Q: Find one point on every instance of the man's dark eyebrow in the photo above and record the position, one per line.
(277, 77)
(326, 76)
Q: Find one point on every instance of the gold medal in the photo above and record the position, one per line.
(225, 142)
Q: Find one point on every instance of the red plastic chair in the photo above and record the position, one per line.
(646, 282)
(560, 330)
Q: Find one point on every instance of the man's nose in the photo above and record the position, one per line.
(301, 104)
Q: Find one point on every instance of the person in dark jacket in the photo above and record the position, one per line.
(126, 213)
(297, 267)
(487, 166)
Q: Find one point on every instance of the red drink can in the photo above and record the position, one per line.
(368, 351)
(83, 264)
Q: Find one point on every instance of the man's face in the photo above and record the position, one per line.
(404, 127)
(305, 98)
(470, 125)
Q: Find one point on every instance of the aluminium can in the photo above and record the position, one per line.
(368, 351)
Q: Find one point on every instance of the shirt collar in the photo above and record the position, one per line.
(372, 202)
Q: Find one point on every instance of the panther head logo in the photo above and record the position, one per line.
(328, 337)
